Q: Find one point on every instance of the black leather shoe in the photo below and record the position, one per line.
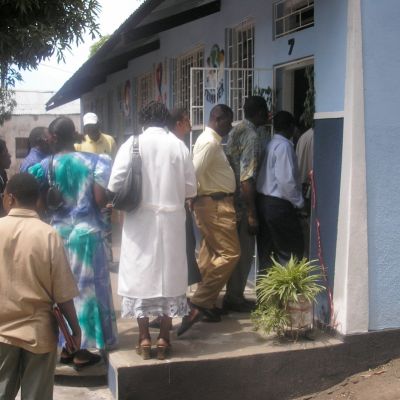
(189, 320)
(244, 307)
(210, 315)
(220, 311)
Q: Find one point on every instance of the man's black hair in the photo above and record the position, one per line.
(36, 136)
(220, 111)
(283, 121)
(177, 114)
(64, 129)
(154, 114)
(253, 105)
(25, 188)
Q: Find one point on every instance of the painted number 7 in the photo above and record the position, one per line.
(291, 45)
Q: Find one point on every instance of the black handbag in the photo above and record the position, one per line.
(54, 198)
(129, 196)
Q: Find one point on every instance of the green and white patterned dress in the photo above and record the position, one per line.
(79, 222)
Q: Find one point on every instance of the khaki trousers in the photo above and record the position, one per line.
(33, 373)
(220, 249)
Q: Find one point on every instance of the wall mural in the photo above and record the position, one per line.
(214, 85)
(127, 99)
(161, 82)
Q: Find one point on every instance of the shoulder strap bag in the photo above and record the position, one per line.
(129, 196)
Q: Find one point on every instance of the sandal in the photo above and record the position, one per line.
(89, 359)
(163, 348)
(144, 350)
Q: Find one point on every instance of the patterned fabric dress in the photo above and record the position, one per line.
(79, 223)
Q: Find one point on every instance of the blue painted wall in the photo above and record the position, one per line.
(330, 54)
(381, 47)
(326, 41)
(328, 140)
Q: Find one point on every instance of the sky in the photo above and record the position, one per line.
(50, 75)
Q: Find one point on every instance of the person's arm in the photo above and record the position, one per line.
(68, 310)
(102, 172)
(248, 191)
(248, 169)
(100, 195)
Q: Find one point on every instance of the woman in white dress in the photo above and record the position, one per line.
(153, 266)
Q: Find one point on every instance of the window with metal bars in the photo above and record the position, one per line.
(21, 147)
(183, 79)
(240, 57)
(292, 16)
(144, 89)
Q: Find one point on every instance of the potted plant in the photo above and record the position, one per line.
(285, 297)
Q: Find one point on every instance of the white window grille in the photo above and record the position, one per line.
(145, 89)
(240, 57)
(183, 80)
(292, 16)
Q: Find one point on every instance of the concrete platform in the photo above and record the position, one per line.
(209, 361)
(229, 360)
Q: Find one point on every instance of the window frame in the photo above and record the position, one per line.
(182, 80)
(240, 45)
(291, 12)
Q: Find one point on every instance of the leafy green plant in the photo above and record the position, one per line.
(283, 284)
(307, 118)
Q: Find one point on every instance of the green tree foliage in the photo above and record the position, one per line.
(33, 30)
(96, 46)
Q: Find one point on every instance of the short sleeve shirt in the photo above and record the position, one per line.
(243, 151)
(104, 145)
(34, 274)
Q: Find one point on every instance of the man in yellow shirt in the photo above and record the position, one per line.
(94, 141)
(99, 143)
(215, 216)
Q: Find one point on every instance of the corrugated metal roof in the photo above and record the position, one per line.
(135, 37)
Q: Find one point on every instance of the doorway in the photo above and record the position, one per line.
(291, 83)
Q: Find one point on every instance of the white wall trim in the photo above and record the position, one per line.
(351, 293)
(329, 115)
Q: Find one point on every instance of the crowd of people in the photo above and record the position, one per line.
(237, 188)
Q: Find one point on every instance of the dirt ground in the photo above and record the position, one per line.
(381, 383)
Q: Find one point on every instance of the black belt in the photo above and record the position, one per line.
(217, 195)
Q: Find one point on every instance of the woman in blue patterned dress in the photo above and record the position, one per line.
(82, 179)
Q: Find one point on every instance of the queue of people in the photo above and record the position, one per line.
(237, 194)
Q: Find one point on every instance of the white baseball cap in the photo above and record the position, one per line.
(90, 119)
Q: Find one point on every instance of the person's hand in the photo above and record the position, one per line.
(252, 222)
(189, 204)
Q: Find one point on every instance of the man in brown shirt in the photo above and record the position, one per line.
(34, 274)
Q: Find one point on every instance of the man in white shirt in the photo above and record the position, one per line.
(279, 196)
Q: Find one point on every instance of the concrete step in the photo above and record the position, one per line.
(210, 361)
